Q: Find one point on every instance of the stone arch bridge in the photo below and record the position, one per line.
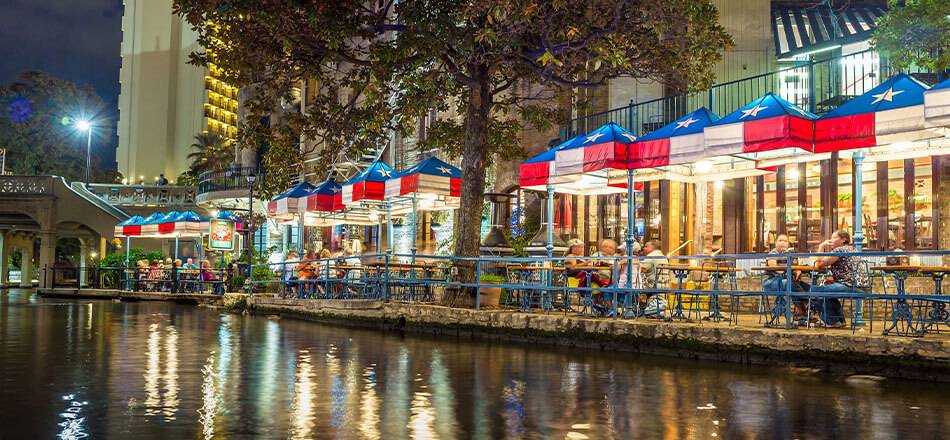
(37, 211)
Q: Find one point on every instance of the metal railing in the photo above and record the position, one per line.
(90, 277)
(817, 86)
(227, 179)
(139, 279)
(737, 289)
(117, 194)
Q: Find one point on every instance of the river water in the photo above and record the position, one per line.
(107, 369)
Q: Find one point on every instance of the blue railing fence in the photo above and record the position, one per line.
(699, 287)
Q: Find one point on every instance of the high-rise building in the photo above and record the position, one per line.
(164, 101)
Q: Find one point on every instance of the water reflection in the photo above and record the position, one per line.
(151, 370)
(302, 409)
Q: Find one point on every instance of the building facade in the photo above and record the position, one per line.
(814, 55)
(164, 102)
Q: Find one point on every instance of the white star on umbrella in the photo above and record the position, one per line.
(686, 123)
(336, 189)
(593, 137)
(629, 136)
(888, 95)
(384, 173)
(444, 170)
(799, 110)
(754, 111)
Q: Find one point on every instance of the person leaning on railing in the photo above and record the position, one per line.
(289, 273)
(846, 275)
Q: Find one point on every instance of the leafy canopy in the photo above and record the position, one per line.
(916, 32)
(377, 67)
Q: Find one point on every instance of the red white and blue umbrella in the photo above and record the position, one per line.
(431, 176)
(937, 106)
(679, 142)
(292, 201)
(130, 228)
(182, 224)
(603, 148)
(327, 196)
(150, 224)
(537, 172)
(369, 184)
(764, 126)
(889, 113)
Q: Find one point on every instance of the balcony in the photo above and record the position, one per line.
(167, 196)
(817, 86)
(228, 183)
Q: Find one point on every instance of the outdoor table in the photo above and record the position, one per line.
(525, 301)
(716, 271)
(680, 271)
(411, 268)
(781, 308)
(588, 296)
(902, 313)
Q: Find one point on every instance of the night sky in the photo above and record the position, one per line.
(76, 40)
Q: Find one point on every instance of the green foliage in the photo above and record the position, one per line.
(37, 127)
(117, 259)
(916, 32)
(209, 152)
(479, 73)
(488, 278)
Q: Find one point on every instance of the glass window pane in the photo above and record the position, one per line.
(813, 206)
(792, 213)
(923, 203)
(896, 228)
(770, 226)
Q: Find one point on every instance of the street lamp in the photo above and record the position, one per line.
(84, 125)
(251, 178)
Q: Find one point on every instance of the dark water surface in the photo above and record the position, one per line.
(103, 369)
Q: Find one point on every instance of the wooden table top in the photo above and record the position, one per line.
(778, 268)
(402, 265)
(554, 268)
(707, 268)
(911, 268)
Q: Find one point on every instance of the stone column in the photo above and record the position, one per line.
(26, 266)
(47, 256)
(4, 257)
(83, 253)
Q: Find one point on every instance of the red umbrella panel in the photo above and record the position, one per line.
(437, 184)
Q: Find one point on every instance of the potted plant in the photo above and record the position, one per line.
(490, 295)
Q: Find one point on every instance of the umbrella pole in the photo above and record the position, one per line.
(550, 219)
(300, 226)
(858, 159)
(415, 226)
(128, 242)
(631, 211)
(389, 228)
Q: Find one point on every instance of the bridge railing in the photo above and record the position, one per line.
(901, 291)
(145, 195)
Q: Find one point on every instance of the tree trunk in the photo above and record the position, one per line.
(474, 156)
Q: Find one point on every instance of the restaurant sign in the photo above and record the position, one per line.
(222, 235)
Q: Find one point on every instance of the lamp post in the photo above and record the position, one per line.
(84, 125)
(251, 178)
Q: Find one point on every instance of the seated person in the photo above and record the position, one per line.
(846, 274)
(604, 276)
(575, 277)
(652, 276)
(775, 280)
(190, 264)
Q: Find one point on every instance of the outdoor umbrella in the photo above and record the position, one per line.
(130, 228)
(887, 119)
(435, 182)
(741, 143)
(367, 190)
(937, 106)
(291, 202)
(537, 172)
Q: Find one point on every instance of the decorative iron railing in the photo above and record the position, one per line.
(145, 195)
(26, 185)
(817, 86)
(227, 179)
(901, 291)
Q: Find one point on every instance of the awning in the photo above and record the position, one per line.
(797, 31)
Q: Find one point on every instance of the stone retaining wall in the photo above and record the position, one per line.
(836, 351)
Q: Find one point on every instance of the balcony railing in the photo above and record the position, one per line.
(144, 195)
(228, 179)
(817, 86)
